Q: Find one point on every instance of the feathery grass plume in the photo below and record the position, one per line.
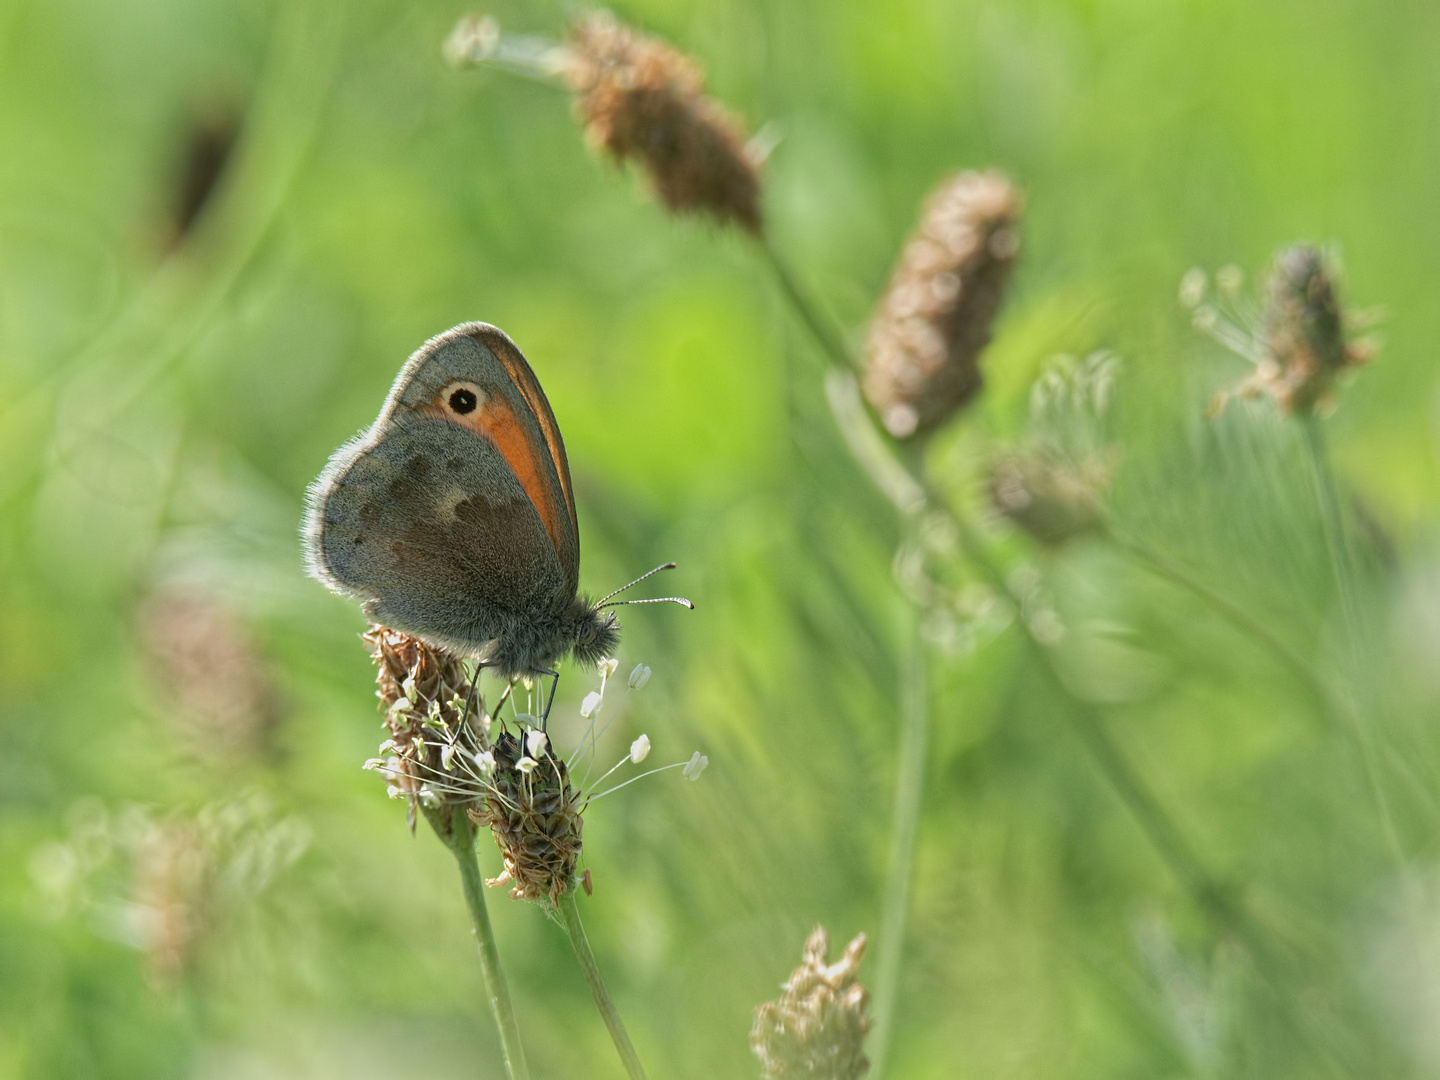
(934, 319)
(1297, 339)
(216, 689)
(817, 1027)
(641, 99)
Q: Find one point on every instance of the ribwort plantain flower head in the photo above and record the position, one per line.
(446, 750)
(1297, 336)
(935, 316)
(640, 99)
(816, 1029)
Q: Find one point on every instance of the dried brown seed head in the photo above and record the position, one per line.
(1301, 347)
(936, 314)
(514, 786)
(641, 99)
(535, 816)
(1302, 329)
(817, 1027)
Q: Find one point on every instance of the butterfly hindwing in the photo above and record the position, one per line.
(429, 527)
(453, 513)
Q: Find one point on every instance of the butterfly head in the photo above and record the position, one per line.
(595, 632)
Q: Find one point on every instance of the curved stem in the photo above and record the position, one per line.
(459, 836)
(909, 795)
(1163, 566)
(820, 326)
(1337, 542)
(570, 919)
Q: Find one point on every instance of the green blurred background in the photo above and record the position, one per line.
(196, 877)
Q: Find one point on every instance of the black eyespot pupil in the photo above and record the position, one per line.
(463, 401)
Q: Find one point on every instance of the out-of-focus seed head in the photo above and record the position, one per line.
(1048, 496)
(641, 99)
(1303, 329)
(217, 690)
(935, 317)
(817, 1027)
(1301, 346)
(535, 816)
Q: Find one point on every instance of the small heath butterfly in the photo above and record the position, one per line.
(452, 518)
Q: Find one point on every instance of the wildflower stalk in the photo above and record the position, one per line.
(457, 834)
(570, 919)
(1336, 541)
(1166, 568)
(805, 308)
(905, 823)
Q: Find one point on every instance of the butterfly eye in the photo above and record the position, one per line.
(463, 400)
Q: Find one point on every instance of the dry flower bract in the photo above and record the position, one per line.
(817, 1028)
(934, 319)
(641, 99)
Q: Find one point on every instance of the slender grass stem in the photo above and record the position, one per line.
(459, 836)
(570, 919)
(820, 326)
(905, 824)
(1336, 539)
(1164, 567)
(1337, 542)
(894, 480)
(909, 491)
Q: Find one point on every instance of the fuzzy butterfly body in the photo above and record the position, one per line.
(452, 518)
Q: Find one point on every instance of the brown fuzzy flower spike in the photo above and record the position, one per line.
(422, 692)
(1301, 346)
(535, 816)
(1303, 332)
(935, 316)
(816, 1029)
(440, 755)
(641, 99)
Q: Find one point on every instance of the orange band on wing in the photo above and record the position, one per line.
(496, 423)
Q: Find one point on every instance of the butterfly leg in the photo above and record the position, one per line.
(554, 682)
(470, 697)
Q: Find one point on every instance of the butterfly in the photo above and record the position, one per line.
(453, 519)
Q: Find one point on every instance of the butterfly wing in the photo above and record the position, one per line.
(452, 517)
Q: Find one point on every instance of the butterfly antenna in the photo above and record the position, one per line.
(654, 600)
(642, 577)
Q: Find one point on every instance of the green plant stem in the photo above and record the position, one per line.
(1337, 542)
(1164, 567)
(1166, 837)
(826, 335)
(458, 835)
(909, 795)
(570, 918)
